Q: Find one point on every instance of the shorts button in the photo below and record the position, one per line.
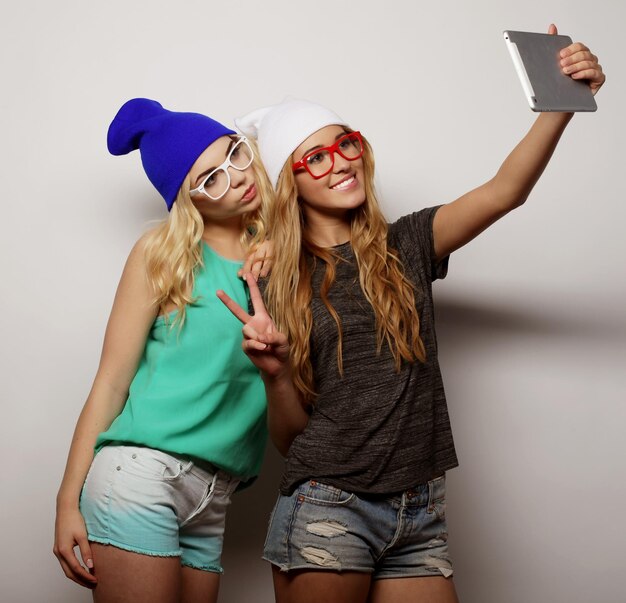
(300, 498)
(134, 456)
(118, 468)
(313, 483)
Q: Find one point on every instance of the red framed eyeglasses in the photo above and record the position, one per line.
(320, 162)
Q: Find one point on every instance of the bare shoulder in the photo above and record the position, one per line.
(134, 290)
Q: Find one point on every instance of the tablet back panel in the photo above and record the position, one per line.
(547, 88)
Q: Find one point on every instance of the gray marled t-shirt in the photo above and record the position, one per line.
(374, 430)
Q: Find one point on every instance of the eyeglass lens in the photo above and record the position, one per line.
(240, 158)
(321, 162)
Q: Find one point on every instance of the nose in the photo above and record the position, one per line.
(237, 177)
(341, 163)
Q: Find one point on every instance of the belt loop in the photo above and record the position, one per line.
(213, 482)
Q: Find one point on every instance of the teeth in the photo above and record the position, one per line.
(344, 184)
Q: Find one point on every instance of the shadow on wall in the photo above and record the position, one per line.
(460, 318)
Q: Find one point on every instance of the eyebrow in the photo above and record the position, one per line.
(321, 146)
(230, 146)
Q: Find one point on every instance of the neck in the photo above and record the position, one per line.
(224, 237)
(328, 230)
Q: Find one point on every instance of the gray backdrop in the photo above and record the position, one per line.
(531, 318)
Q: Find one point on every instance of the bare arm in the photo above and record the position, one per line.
(459, 222)
(268, 349)
(286, 417)
(124, 341)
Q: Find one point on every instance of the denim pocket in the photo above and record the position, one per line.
(323, 494)
(437, 497)
(150, 464)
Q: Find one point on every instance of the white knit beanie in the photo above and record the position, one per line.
(280, 129)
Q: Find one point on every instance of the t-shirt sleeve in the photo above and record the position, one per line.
(412, 236)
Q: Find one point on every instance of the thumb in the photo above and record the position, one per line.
(552, 30)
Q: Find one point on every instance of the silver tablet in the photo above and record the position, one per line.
(547, 88)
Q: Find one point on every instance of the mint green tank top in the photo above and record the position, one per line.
(195, 392)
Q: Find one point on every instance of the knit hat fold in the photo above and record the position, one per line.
(280, 129)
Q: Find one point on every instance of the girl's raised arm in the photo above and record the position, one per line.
(457, 223)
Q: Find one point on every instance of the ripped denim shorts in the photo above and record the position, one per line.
(320, 527)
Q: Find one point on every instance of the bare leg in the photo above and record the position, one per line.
(304, 586)
(199, 586)
(124, 576)
(435, 589)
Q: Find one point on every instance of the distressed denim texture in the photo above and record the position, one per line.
(322, 527)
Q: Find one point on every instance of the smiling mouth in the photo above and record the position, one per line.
(344, 184)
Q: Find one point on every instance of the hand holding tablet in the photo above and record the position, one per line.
(541, 60)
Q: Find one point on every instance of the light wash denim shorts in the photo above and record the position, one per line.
(150, 502)
(320, 527)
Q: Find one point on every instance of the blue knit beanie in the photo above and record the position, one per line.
(169, 141)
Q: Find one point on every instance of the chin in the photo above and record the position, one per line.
(355, 200)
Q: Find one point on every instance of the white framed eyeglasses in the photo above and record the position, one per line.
(216, 184)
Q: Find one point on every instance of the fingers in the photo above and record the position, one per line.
(259, 262)
(254, 345)
(266, 266)
(85, 552)
(260, 268)
(580, 63)
(570, 56)
(269, 254)
(253, 264)
(247, 266)
(269, 341)
(237, 311)
(72, 568)
(274, 338)
(249, 332)
(552, 30)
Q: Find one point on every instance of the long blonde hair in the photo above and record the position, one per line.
(173, 250)
(381, 277)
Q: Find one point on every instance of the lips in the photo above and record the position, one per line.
(250, 193)
(345, 184)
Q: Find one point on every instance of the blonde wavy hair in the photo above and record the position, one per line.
(173, 250)
(381, 276)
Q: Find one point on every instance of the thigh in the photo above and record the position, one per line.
(303, 586)
(199, 586)
(127, 576)
(434, 589)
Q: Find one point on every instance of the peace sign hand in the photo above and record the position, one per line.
(266, 347)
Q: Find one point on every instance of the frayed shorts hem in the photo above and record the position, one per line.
(133, 549)
(205, 568)
(416, 573)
